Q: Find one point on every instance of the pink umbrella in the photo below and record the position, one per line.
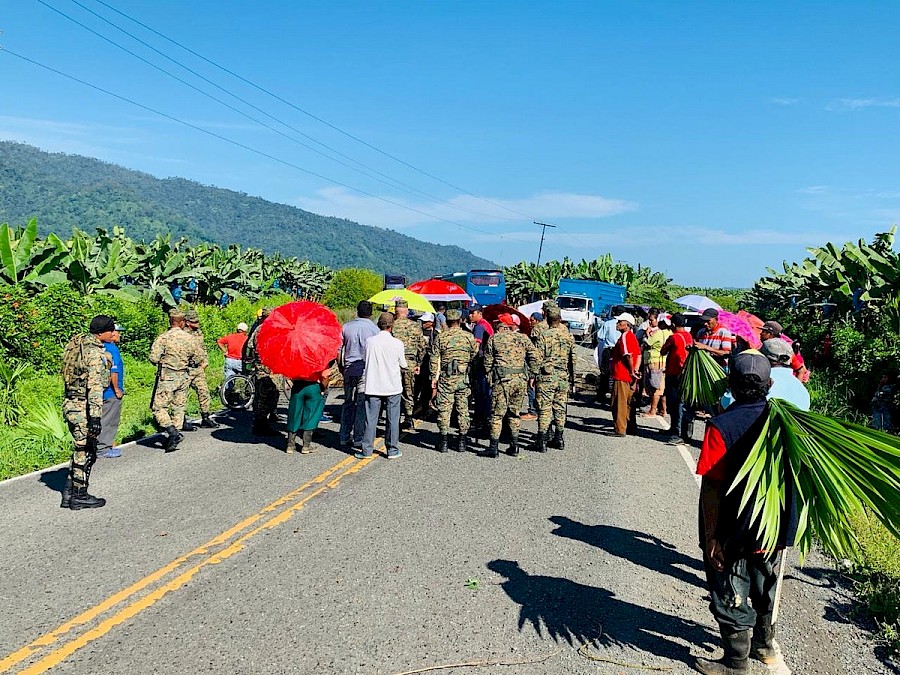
(740, 327)
(756, 323)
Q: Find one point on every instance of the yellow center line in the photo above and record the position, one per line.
(129, 611)
(92, 613)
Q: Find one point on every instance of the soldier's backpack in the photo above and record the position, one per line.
(74, 368)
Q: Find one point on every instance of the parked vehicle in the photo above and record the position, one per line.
(488, 287)
(586, 303)
(394, 282)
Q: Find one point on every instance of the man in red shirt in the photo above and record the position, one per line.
(675, 350)
(232, 345)
(626, 369)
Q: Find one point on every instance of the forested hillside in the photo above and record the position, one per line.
(66, 191)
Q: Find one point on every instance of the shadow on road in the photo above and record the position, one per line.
(56, 479)
(578, 614)
(638, 547)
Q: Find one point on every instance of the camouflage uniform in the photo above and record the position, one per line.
(409, 332)
(451, 355)
(556, 347)
(268, 384)
(197, 376)
(175, 353)
(504, 360)
(85, 374)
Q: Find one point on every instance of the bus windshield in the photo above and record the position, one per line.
(571, 303)
(485, 279)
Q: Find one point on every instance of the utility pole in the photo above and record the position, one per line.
(544, 227)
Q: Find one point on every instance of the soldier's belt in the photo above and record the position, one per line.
(75, 396)
(503, 371)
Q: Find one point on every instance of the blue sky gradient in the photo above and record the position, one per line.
(708, 140)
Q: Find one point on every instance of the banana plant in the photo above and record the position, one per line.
(24, 259)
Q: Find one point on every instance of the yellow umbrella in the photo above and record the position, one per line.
(416, 301)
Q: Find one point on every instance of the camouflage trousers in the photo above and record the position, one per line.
(453, 392)
(170, 397)
(506, 401)
(551, 395)
(268, 391)
(83, 457)
(199, 384)
(407, 397)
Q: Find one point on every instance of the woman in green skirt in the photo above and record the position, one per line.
(305, 410)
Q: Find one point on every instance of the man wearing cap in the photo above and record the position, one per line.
(451, 358)
(354, 335)
(85, 371)
(531, 413)
(197, 373)
(232, 346)
(626, 369)
(268, 384)
(607, 337)
(675, 351)
(505, 356)
(173, 352)
(714, 338)
(409, 332)
(423, 379)
(784, 385)
(742, 581)
(556, 375)
(112, 397)
(481, 330)
(769, 330)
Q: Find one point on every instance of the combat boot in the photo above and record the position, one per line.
(291, 446)
(735, 661)
(762, 646)
(462, 443)
(560, 439)
(442, 443)
(80, 499)
(173, 440)
(66, 494)
(542, 441)
(208, 422)
(556, 440)
(513, 449)
(308, 447)
(407, 423)
(187, 426)
(493, 450)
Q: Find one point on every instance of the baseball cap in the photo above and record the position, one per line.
(772, 327)
(516, 319)
(427, 316)
(625, 316)
(101, 324)
(242, 326)
(777, 351)
(474, 307)
(553, 312)
(507, 319)
(710, 313)
(751, 363)
(537, 316)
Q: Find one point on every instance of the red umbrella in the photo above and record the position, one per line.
(299, 340)
(438, 290)
(493, 312)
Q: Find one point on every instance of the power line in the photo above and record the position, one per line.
(311, 115)
(243, 146)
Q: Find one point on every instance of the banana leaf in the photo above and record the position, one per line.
(703, 382)
(838, 469)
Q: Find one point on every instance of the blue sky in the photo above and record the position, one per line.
(708, 140)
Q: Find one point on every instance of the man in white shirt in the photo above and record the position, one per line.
(383, 383)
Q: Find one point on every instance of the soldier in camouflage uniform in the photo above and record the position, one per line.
(556, 348)
(268, 384)
(174, 353)
(197, 375)
(85, 372)
(451, 356)
(505, 355)
(542, 325)
(409, 332)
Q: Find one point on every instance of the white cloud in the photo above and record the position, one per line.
(862, 103)
(400, 212)
(784, 101)
(814, 190)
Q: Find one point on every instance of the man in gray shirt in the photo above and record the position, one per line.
(353, 357)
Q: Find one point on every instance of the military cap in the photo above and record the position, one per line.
(453, 315)
(102, 324)
(191, 316)
(400, 302)
(554, 312)
(176, 314)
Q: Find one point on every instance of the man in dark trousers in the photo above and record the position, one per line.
(742, 578)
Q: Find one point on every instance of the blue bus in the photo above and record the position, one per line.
(488, 287)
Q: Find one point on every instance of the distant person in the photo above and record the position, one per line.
(770, 330)
(883, 404)
(305, 408)
(353, 361)
(626, 369)
(232, 346)
(481, 331)
(112, 398)
(423, 379)
(655, 336)
(783, 385)
(555, 376)
(268, 384)
(607, 337)
(798, 364)
(198, 374)
(451, 358)
(440, 317)
(675, 351)
(85, 371)
(715, 338)
(531, 413)
(385, 359)
(409, 332)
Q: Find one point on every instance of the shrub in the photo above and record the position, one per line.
(351, 285)
(142, 320)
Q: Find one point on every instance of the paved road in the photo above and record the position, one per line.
(233, 557)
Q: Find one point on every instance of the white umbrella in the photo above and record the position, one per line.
(532, 307)
(696, 303)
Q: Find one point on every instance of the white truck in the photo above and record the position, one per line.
(585, 304)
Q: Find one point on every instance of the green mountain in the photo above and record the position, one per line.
(66, 191)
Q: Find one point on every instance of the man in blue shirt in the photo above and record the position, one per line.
(112, 399)
(353, 363)
(607, 337)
